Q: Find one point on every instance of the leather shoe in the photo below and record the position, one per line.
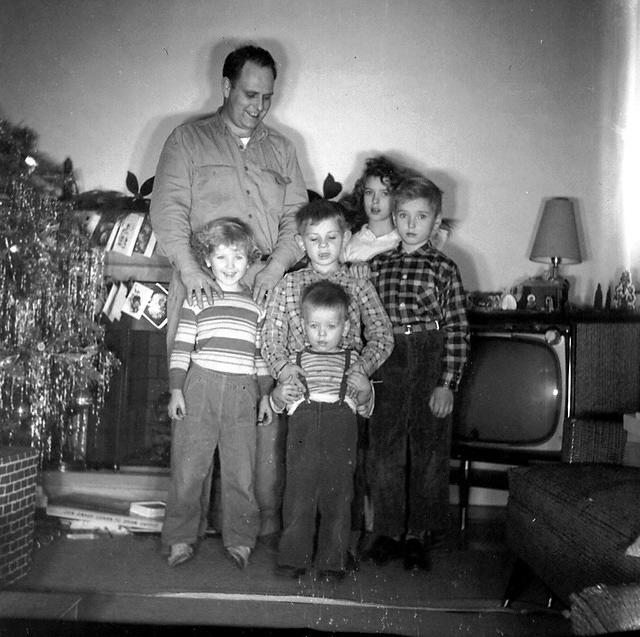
(352, 563)
(416, 556)
(383, 550)
(290, 571)
(332, 576)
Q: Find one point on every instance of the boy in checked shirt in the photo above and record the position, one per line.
(410, 431)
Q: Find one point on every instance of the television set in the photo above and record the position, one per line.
(514, 394)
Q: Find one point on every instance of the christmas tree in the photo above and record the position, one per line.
(54, 367)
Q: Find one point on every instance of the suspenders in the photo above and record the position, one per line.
(343, 382)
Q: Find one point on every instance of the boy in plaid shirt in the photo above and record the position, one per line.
(410, 431)
(322, 233)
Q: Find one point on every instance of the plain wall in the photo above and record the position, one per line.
(501, 102)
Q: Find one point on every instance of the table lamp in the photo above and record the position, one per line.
(557, 236)
(556, 242)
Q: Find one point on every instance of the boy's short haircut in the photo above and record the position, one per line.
(325, 294)
(225, 231)
(318, 210)
(418, 187)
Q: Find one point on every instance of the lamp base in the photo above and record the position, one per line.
(544, 295)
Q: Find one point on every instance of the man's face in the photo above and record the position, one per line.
(248, 100)
(415, 220)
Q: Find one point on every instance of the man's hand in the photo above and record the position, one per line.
(441, 402)
(265, 280)
(199, 285)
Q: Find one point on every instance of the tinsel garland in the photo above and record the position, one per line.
(53, 362)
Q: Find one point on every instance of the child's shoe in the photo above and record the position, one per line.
(416, 557)
(290, 571)
(239, 555)
(180, 553)
(332, 576)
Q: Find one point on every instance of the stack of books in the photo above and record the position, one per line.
(89, 512)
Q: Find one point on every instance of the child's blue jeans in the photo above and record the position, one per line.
(321, 460)
(409, 448)
(221, 411)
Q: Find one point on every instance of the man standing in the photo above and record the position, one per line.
(232, 164)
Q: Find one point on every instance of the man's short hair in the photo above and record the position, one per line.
(235, 61)
(418, 187)
(225, 231)
(325, 294)
(318, 210)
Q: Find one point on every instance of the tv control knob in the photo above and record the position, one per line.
(552, 336)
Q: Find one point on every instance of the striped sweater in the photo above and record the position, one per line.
(223, 337)
(324, 372)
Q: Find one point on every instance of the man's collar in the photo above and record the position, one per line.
(259, 132)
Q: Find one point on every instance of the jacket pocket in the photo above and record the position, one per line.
(215, 184)
(273, 189)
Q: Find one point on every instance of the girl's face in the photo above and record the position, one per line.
(376, 199)
(229, 264)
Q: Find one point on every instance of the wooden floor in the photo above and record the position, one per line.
(122, 585)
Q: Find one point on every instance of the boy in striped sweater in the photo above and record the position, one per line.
(219, 388)
(322, 437)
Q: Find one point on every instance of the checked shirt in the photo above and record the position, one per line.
(421, 287)
(283, 331)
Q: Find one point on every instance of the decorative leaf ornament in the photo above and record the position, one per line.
(330, 189)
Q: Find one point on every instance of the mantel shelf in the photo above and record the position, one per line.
(137, 267)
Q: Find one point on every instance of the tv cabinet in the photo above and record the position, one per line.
(604, 384)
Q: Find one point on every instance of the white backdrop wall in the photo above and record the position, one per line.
(501, 102)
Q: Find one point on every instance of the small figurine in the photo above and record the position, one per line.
(624, 297)
(69, 184)
(597, 299)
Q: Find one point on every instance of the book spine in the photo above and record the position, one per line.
(60, 511)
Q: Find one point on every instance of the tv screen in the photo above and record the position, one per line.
(513, 391)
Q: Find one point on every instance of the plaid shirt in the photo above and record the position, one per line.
(425, 286)
(284, 333)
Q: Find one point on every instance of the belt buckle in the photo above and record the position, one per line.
(408, 329)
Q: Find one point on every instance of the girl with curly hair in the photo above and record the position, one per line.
(369, 205)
